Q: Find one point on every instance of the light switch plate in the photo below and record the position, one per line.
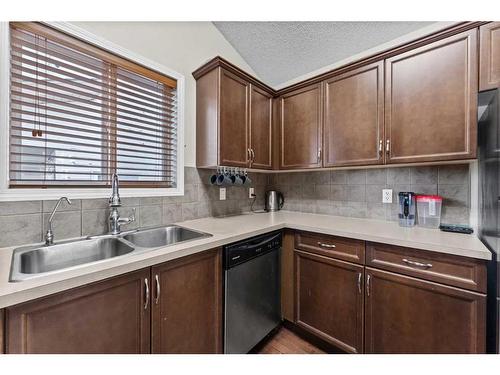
(222, 194)
(251, 192)
(386, 195)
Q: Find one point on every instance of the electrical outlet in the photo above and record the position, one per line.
(251, 192)
(222, 194)
(386, 195)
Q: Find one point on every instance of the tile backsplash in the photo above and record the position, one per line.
(354, 193)
(358, 193)
(25, 222)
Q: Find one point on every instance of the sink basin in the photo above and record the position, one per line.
(30, 261)
(164, 236)
(37, 260)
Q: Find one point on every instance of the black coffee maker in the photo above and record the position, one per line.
(406, 209)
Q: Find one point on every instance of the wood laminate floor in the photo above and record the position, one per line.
(287, 342)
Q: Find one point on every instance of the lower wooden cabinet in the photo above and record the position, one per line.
(394, 308)
(2, 343)
(329, 300)
(407, 315)
(175, 307)
(288, 276)
(447, 269)
(111, 316)
(187, 305)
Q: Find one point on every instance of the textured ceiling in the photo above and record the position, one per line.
(281, 51)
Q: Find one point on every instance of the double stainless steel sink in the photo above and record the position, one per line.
(31, 261)
(158, 237)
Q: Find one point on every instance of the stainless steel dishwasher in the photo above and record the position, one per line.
(252, 291)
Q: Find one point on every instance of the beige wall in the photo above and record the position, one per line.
(180, 46)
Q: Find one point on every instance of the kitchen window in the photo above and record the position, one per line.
(79, 113)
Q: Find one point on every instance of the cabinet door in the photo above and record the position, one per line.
(187, 305)
(407, 315)
(431, 101)
(489, 56)
(111, 316)
(287, 276)
(2, 338)
(354, 117)
(261, 109)
(300, 128)
(233, 120)
(329, 300)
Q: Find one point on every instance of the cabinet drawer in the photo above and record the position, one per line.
(467, 273)
(331, 246)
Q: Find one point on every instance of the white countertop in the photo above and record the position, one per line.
(231, 229)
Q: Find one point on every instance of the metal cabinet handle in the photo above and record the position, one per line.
(157, 299)
(319, 155)
(387, 146)
(252, 153)
(417, 264)
(360, 275)
(328, 246)
(146, 284)
(380, 146)
(249, 155)
(368, 278)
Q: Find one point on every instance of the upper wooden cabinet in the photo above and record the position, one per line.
(415, 103)
(407, 315)
(431, 101)
(300, 128)
(354, 117)
(489, 55)
(261, 126)
(233, 118)
(110, 316)
(187, 305)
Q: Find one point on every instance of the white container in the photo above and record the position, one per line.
(429, 210)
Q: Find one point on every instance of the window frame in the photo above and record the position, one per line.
(17, 194)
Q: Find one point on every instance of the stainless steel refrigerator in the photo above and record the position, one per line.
(489, 201)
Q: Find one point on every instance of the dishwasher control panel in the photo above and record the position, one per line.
(242, 251)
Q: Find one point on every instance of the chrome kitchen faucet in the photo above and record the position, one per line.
(115, 221)
(49, 235)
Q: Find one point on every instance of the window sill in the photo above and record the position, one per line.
(45, 194)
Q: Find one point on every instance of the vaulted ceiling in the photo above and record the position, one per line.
(281, 51)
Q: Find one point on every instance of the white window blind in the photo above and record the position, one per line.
(78, 114)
